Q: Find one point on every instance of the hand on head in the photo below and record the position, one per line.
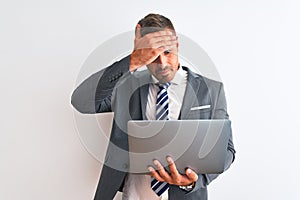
(148, 47)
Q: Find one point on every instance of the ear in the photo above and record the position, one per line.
(138, 31)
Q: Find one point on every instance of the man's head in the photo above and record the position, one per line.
(165, 66)
(155, 22)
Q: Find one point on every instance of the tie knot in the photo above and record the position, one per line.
(164, 85)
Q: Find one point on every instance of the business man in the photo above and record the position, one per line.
(134, 94)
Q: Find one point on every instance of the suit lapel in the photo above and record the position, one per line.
(190, 96)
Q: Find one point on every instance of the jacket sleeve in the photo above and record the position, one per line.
(219, 112)
(94, 95)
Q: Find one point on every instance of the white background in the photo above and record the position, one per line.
(255, 46)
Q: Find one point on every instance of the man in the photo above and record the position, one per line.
(132, 94)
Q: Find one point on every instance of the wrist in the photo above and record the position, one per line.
(188, 187)
(133, 64)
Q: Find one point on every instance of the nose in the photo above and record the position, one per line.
(161, 60)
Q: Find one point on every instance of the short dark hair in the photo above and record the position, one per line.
(154, 22)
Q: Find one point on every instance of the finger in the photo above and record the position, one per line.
(162, 43)
(138, 31)
(155, 174)
(161, 170)
(163, 38)
(154, 43)
(193, 176)
(173, 170)
(161, 33)
(168, 49)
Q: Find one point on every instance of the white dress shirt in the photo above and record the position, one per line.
(138, 187)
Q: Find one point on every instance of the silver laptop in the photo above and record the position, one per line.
(198, 144)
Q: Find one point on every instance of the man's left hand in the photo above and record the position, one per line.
(174, 177)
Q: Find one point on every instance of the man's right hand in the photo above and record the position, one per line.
(150, 46)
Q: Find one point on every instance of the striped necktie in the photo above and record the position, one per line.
(162, 102)
(162, 113)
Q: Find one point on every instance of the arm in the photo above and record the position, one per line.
(219, 112)
(94, 94)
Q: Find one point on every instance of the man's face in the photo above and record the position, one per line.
(165, 66)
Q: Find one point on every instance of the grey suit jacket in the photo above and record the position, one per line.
(115, 89)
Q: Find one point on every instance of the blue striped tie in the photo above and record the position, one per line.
(162, 113)
(162, 102)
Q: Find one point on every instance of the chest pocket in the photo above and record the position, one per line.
(204, 113)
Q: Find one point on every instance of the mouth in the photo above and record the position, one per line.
(163, 72)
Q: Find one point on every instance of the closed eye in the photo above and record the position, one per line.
(167, 51)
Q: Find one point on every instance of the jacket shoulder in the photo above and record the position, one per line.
(197, 76)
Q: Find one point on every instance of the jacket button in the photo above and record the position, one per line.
(125, 166)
